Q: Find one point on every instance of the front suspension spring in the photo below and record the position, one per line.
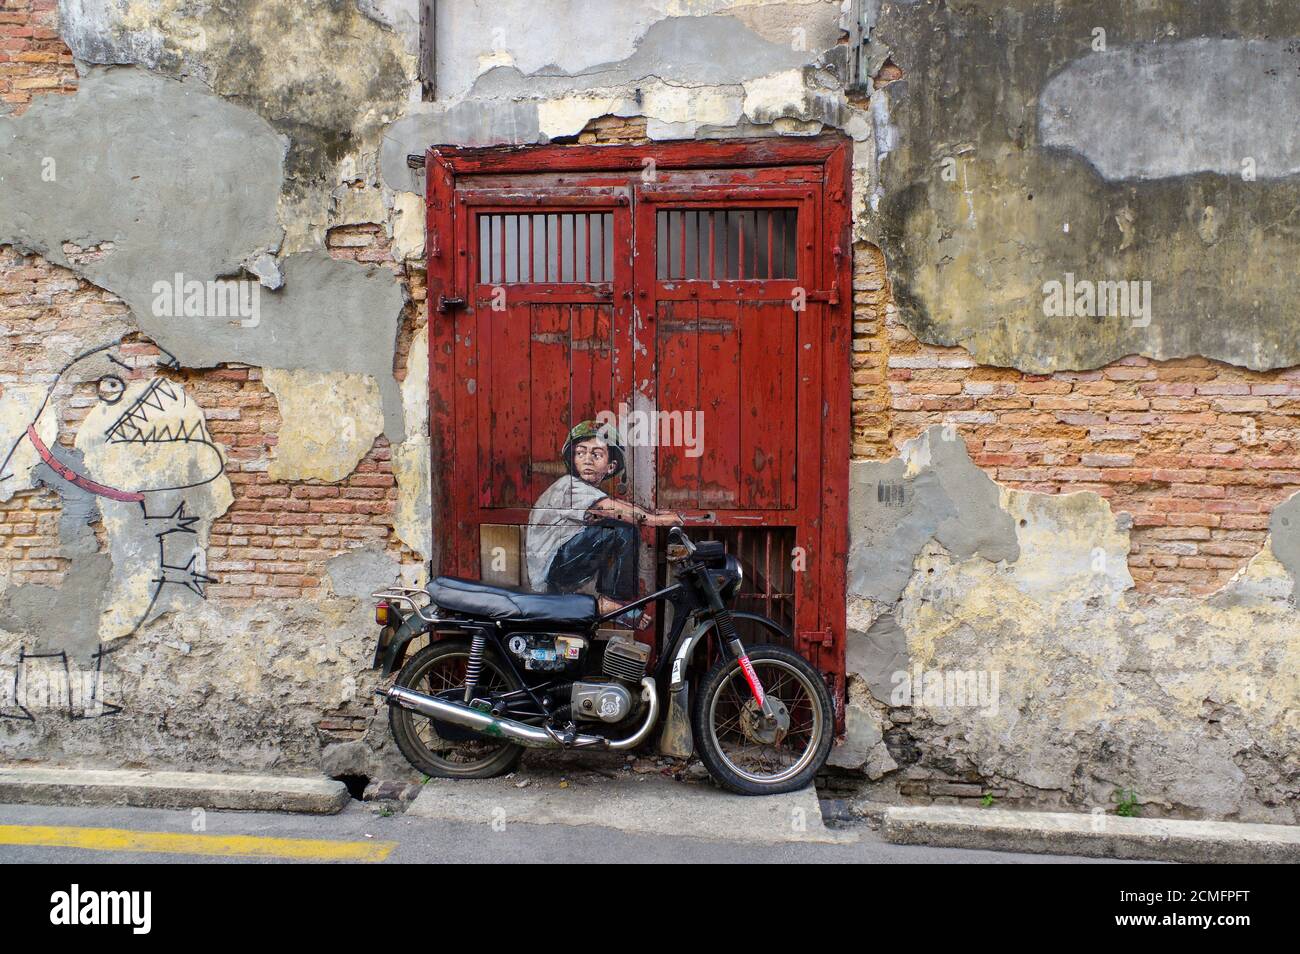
(727, 628)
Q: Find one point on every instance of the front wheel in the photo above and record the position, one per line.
(741, 750)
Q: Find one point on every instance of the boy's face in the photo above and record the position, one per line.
(591, 460)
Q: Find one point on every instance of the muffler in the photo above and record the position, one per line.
(511, 730)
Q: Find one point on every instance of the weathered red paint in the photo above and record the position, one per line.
(774, 383)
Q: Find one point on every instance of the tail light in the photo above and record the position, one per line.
(381, 614)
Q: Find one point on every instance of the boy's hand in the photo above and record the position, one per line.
(665, 518)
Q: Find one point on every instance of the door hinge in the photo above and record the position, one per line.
(831, 297)
(817, 637)
(446, 304)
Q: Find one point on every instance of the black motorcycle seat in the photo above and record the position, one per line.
(472, 598)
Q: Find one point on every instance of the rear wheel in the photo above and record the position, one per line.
(744, 752)
(434, 670)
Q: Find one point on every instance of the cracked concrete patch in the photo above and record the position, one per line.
(329, 422)
(358, 573)
(933, 491)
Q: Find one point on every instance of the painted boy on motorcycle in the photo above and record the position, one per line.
(580, 538)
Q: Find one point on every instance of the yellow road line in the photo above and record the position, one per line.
(249, 846)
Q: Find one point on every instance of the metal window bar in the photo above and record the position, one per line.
(726, 244)
(551, 247)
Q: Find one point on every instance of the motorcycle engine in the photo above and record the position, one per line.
(547, 652)
(611, 701)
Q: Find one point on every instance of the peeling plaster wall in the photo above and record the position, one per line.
(265, 142)
(506, 75)
(1092, 688)
(1021, 153)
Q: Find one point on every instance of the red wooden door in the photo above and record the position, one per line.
(539, 346)
(721, 280)
(697, 306)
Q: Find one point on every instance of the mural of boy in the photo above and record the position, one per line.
(581, 539)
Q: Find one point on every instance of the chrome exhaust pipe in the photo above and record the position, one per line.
(512, 730)
(651, 697)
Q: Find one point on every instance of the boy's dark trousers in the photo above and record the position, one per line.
(605, 551)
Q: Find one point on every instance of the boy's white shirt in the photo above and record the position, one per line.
(558, 515)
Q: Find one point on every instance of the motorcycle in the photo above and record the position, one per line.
(506, 670)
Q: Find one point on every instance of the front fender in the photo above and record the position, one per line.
(682, 658)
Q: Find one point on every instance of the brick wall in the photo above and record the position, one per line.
(29, 539)
(33, 60)
(1199, 452)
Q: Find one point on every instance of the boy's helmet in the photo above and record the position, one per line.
(605, 432)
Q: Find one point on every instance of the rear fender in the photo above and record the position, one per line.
(394, 653)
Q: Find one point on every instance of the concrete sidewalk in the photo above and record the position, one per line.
(648, 804)
(1092, 836)
(48, 785)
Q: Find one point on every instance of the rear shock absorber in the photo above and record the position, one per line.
(475, 665)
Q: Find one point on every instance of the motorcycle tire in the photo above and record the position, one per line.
(788, 677)
(415, 733)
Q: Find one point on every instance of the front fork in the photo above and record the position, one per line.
(727, 630)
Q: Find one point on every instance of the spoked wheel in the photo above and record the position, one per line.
(434, 670)
(745, 752)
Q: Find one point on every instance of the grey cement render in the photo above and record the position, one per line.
(61, 618)
(877, 654)
(1124, 164)
(893, 515)
(64, 618)
(188, 185)
(1284, 531)
(1199, 105)
(358, 573)
(178, 179)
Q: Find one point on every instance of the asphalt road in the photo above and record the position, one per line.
(42, 834)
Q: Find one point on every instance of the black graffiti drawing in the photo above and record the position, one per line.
(91, 707)
(179, 561)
